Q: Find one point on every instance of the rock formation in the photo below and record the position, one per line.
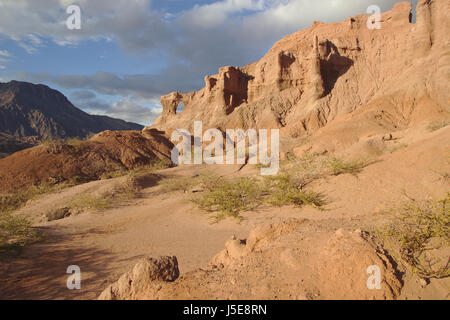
(385, 79)
(144, 281)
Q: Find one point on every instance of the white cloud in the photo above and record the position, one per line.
(126, 109)
(137, 27)
(5, 53)
(212, 15)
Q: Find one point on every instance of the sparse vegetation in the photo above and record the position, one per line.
(436, 125)
(177, 184)
(398, 147)
(123, 191)
(230, 197)
(15, 233)
(338, 166)
(153, 166)
(419, 233)
(14, 201)
(281, 190)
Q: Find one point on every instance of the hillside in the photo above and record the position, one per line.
(106, 152)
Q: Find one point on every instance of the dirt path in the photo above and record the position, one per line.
(105, 245)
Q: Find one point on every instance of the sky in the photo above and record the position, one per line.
(127, 53)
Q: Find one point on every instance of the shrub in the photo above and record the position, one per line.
(230, 197)
(420, 234)
(15, 233)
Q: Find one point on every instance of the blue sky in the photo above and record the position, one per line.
(130, 52)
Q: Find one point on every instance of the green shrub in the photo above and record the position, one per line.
(230, 197)
(15, 233)
(420, 233)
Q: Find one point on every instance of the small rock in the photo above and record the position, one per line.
(340, 233)
(423, 282)
(58, 214)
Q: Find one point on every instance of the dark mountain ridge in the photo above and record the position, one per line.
(28, 109)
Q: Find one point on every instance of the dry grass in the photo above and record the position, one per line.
(153, 166)
(14, 201)
(178, 184)
(16, 232)
(419, 234)
(338, 166)
(436, 125)
(121, 192)
(398, 147)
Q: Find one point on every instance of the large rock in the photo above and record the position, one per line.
(144, 281)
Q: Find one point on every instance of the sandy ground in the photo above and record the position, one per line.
(107, 244)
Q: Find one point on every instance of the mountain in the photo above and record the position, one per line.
(27, 110)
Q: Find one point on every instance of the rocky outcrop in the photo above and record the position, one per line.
(144, 281)
(389, 78)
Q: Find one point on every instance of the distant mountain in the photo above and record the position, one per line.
(28, 110)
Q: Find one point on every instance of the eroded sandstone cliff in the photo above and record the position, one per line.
(385, 79)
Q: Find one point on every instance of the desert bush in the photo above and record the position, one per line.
(287, 190)
(420, 233)
(436, 125)
(15, 233)
(230, 197)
